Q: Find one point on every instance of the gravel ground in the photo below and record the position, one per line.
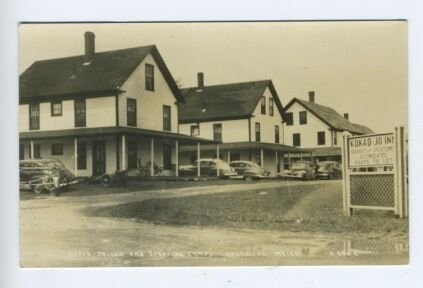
(57, 232)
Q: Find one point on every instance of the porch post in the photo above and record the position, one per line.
(198, 159)
(123, 152)
(152, 157)
(75, 155)
(261, 158)
(229, 156)
(217, 156)
(32, 149)
(177, 158)
(282, 155)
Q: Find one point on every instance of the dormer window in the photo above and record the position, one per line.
(149, 77)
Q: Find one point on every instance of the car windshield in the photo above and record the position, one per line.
(54, 164)
(299, 166)
(254, 165)
(325, 166)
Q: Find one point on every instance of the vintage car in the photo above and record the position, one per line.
(208, 167)
(249, 170)
(44, 175)
(300, 170)
(329, 170)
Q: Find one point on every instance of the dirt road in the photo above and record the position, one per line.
(56, 232)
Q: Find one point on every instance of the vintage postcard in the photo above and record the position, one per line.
(213, 144)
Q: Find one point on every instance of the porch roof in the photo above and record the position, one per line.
(246, 145)
(325, 151)
(106, 131)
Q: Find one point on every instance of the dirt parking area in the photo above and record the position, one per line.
(65, 231)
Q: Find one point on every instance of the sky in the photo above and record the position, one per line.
(355, 67)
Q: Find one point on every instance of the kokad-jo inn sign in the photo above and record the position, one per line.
(375, 169)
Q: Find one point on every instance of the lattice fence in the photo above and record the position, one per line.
(373, 190)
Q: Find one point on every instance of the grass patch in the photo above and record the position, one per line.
(300, 208)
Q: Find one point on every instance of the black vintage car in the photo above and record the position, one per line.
(44, 175)
(249, 170)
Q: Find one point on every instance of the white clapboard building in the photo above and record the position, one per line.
(316, 128)
(246, 117)
(102, 111)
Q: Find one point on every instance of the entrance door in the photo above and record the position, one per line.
(132, 155)
(167, 157)
(99, 158)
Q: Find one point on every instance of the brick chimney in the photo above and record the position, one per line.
(311, 96)
(200, 80)
(347, 116)
(89, 47)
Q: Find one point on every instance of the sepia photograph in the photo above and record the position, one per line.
(213, 144)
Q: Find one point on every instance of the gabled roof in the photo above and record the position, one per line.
(330, 117)
(106, 73)
(224, 102)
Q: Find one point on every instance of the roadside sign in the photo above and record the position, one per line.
(375, 172)
(372, 150)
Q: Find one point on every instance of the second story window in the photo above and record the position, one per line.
(263, 105)
(131, 112)
(34, 116)
(195, 130)
(276, 133)
(321, 138)
(167, 125)
(289, 118)
(335, 138)
(258, 134)
(56, 108)
(296, 139)
(149, 77)
(80, 113)
(303, 117)
(271, 104)
(217, 132)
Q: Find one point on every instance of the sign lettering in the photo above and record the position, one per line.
(375, 150)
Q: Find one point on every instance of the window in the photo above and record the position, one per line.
(217, 132)
(21, 151)
(131, 112)
(195, 130)
(37, 151)
(56, 108)
(321, 139)
(258, 132)
(263, 105)
(276, 133)
(80, 118)
(258, 158)
(57, 149)
(303, 117)
(34, 116)
(82, 156)
(166, 118)
(235, 157)
(289, 118)
(271, 104)
(296, 139)
(132, 155)
(149, 77)
(335, 138)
